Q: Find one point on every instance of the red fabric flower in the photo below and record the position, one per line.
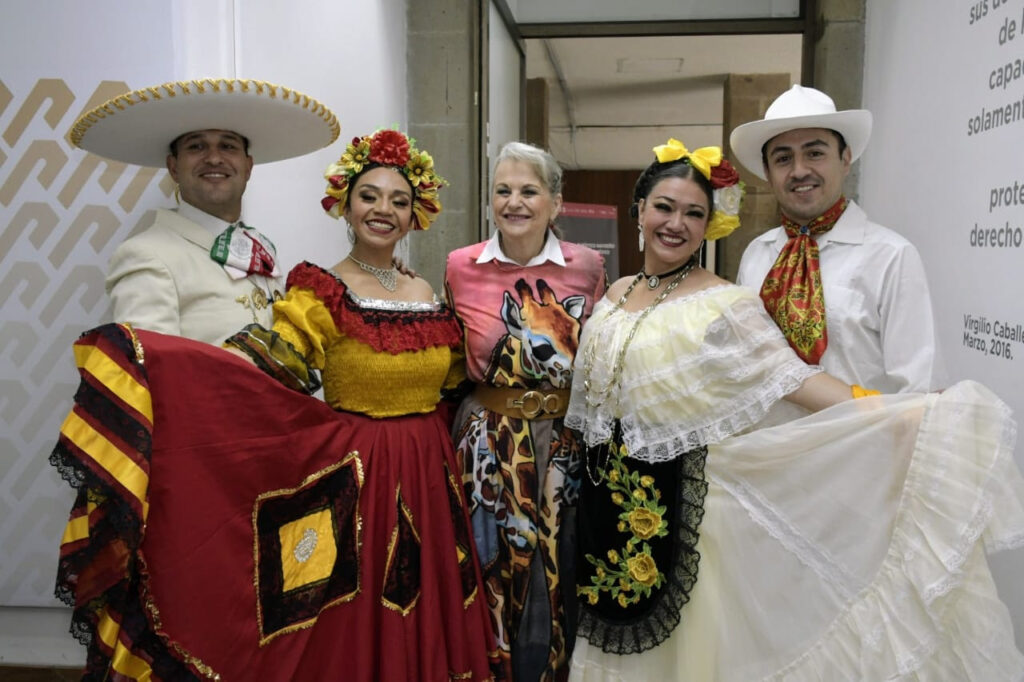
(724, 175)
(389, 147)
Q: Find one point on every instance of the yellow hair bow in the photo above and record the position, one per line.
(703, 159)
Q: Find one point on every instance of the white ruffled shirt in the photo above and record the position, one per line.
(699, 369)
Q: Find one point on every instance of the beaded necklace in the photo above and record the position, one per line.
(388, 277)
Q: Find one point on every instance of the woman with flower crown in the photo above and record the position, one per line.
(848, 544)
(522, 297)
(282, 537)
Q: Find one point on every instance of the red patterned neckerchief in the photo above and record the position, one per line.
(792, 291)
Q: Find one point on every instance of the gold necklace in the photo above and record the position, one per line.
(596, 397)
(388, 277)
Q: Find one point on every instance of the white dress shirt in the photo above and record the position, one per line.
(881, 330)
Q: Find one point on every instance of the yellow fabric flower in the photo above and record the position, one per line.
(420, 168)
(617, 498)
(721, 225)
(647, 481)
(643, 569)
(640, 494)
(613, 556)
(623, 601)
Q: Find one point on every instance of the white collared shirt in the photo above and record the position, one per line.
(552, 251)
(881, 330)
(200, 217)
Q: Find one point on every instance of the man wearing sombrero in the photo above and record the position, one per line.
(199, 271)
(849, 294)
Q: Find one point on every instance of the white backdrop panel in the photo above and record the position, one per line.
(944, 81)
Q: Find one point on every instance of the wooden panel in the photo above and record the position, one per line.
(613, 187)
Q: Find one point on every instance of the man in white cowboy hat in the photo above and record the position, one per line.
(199, 271)
(849, 294)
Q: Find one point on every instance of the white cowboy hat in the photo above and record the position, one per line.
(799, 107)
(138, 127)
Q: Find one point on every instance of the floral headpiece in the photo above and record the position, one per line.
(725, 181)
(393, 149)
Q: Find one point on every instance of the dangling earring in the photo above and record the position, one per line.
(351, 235)
(640, 232)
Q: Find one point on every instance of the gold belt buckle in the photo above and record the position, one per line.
(533, 403)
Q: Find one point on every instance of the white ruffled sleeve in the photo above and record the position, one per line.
(697, 370)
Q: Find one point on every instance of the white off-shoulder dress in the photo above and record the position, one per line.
(844, 545)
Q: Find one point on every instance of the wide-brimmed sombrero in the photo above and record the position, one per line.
(799, 107)
(138, 126)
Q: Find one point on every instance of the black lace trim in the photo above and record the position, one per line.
(643, 626)
(115, 529)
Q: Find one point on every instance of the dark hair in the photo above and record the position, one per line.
(174, 143)
(658, 171)
(839, 138)
(369, 167)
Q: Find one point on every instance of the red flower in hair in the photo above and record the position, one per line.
(390, 148)
(724, 175)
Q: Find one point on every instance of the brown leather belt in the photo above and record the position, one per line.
(523, 403)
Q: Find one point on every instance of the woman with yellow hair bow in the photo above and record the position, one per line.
(713, 548)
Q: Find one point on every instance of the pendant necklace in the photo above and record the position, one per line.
(654, 280)
(388, 277)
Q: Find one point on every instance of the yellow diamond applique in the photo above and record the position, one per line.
(308, 549)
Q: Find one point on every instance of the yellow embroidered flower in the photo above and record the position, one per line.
(613, 476)
(647, 481)
(643, 569)
(644, 523)
(622, 526)
(617, 498)
(613, 556)
(600, 572)
(640, 494)
(623, 601)
(624, 585)
(592, 596)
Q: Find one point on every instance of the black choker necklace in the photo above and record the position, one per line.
(654, 280)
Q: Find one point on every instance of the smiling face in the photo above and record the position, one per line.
(674, 216)
(380, 208)
(806, 170)
(522, 206)
(211, 168)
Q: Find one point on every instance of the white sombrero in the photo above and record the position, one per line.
(138, 127)
(799, 107)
